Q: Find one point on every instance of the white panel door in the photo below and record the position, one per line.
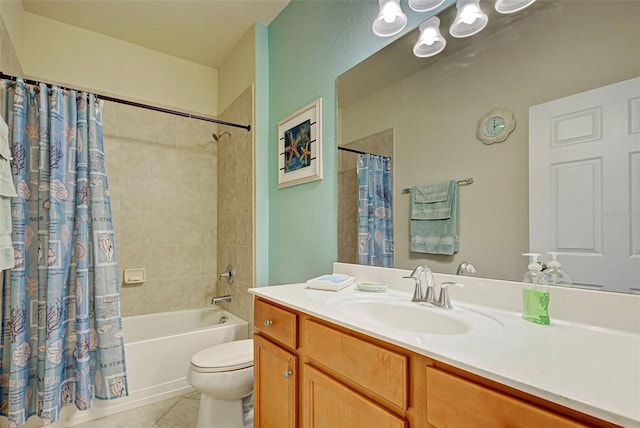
(584, 185)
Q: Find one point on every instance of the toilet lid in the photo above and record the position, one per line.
(225, 357)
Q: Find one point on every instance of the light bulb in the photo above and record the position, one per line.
(511, 6)
(430, 42)
(469, 20)
(424, 5)
(390, 20)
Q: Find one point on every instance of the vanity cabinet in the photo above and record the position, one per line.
(453, 401)
(275, 385)
(312, 373)
(329, 403)
(275, 366)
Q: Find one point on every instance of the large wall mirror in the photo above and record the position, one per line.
(423, 113)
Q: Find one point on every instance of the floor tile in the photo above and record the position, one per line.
(184, 414)
(142, 417)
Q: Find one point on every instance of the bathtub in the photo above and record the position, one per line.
(158, 350)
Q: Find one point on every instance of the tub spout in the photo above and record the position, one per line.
(221, 299)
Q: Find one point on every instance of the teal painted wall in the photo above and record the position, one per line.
(312, 42)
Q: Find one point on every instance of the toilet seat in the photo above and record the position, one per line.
(225, 357)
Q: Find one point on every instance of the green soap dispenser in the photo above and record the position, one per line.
(535, 294)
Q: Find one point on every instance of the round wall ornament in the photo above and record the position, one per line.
(495, 126)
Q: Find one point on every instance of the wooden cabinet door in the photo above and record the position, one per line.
(275, 385)
(328, 403)
(456, 402)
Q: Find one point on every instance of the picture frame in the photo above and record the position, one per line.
(300, 146)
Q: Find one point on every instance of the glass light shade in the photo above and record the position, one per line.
(424, 5)
(470, 19)
(511, 6)
(430, 42)
(390, 20)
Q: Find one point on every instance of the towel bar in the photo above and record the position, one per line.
(464, 182)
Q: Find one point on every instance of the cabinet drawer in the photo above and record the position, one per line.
(329, 403)
(277, 323)
(456, 402)
(382, 372)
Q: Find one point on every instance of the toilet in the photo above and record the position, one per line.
(223, 374)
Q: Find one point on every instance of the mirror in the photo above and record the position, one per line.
(432, 106)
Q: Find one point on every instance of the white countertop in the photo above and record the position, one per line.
(592, 369)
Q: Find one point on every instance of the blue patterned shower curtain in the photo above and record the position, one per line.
(61, 332)
(375, 214)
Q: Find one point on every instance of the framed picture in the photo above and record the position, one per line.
(300, 146)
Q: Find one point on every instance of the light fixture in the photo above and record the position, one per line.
(469, 20)
(390, 20)
(430, 42)
(424, 5)
(511, 6)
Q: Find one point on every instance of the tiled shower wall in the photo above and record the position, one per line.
(380, 144)
(236, 206)
(162, 172)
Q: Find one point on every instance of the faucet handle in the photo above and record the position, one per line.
(444, 300)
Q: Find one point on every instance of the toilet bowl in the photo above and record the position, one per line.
(223, 374)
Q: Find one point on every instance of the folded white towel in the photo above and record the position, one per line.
(7, 190)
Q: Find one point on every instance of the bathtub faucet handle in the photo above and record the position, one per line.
(229, 274)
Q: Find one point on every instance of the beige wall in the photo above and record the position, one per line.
(435, 112)
(11, 14)
(61, 53)
(9, 61)
(162, 172)
(163, 169)
(236, 208)
(238, 71)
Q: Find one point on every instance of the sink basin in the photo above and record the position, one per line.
(411, 318)
(401, 314)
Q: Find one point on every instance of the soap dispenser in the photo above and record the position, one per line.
(535, 294)
(553, 273)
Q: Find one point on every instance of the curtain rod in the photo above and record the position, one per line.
(359, 152)
(139, 105)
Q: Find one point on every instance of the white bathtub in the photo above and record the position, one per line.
(159, 347)
(158, 350)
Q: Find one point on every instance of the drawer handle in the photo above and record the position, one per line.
(286, 374)
(267, 323)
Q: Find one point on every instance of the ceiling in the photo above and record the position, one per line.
(201, 31)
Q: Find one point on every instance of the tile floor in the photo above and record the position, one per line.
(177, 412)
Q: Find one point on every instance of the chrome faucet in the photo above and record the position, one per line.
(221, 299)
(418, 296)
(465, 267)
(415, 275)
(442, 300)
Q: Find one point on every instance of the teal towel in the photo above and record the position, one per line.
(431, 201)
(434, 225)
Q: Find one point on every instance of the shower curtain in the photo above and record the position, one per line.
(375, 214)
(61, 328)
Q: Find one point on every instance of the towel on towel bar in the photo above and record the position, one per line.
(434, 221)
(431, 201)
(7, 190)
